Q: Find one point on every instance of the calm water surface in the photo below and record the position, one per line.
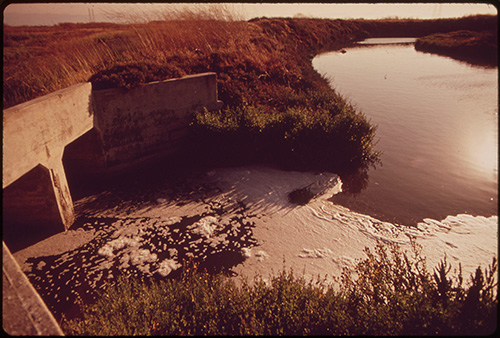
(437, 124)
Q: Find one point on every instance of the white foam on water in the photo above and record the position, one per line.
(469, 240)
(318, 239)
(204, 227)
(127, 248)
(321, 238)
(142, 256)
(315, 253)
(261, 255)
(172, 252)
(167, 266)
(247, 252)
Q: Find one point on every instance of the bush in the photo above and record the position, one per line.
(394, 294)
(388, 293)
(131, 75)
(298, 138)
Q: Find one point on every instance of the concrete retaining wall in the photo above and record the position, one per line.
(35, 134)
(150, 120)
(90, 131)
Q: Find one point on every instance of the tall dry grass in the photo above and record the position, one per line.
(40, 60)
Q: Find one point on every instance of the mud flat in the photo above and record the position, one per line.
(241, 221)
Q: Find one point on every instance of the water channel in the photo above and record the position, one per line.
(437, 126)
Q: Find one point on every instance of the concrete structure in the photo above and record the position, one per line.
(35, 133)
(150, 120)
(23, 310)
(88, 132)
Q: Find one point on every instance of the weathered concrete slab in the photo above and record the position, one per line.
(36, 132)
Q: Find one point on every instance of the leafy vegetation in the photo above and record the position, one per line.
(300, 137)
(388, 293)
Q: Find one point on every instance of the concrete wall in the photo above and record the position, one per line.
(152, 119)
(30, 209)
(36, 133)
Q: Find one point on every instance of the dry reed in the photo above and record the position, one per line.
(40, 60)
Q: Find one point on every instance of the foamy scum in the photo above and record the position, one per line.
(321, 238)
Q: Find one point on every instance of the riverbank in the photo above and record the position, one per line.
(479, 48)
(42, 59)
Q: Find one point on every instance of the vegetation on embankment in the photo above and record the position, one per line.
(390, 292)
(420, 28)
(474, 47)
(276, 105)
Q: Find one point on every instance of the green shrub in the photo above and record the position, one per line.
(388, 293)
(396, 295)
(326, 138)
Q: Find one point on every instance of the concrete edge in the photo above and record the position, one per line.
(32, 315)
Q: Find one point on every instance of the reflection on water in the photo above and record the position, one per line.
(437, 124)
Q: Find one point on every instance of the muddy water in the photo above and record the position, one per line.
(437, 124)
